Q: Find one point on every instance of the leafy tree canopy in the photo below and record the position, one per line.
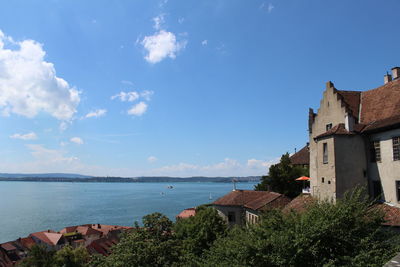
(281, 178)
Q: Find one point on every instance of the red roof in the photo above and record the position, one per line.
(187, 213)
(352, 101)
(391, 214)
(88, 230)
(8, 246)
(251, 199)
(49, 237)
(27, 242)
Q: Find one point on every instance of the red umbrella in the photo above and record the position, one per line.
(303, 178)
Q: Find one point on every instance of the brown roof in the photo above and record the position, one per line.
(254, 200)
(391, 213)
(49, 237)
(186, 213)
(352, 101)
(27, 242)
(88, 230)
(68, 229)
(8, 246)
(380, 103)
(339, 129)
(299, 203)
(301, 157)
(105, 229)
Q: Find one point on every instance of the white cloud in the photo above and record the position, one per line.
(204, 42)
(28, 136)
(147, 94)
(76, 140)
(96, 113)
(126, 96)
(181, 20)
(161, 45)
(63, 126)
(49, 155)
(152, 159)
(158, 21)
(267, 7)
(29, 84)
(228, 167)
(138, 109)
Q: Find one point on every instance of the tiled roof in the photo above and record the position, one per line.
(391, 213)
(86, 230)
(49, 237)
(380, 103)
(27, 242)
(302, 157)
(102, 246)
(250, 199)
(186, 213)
(8, 246)
(300, 203)
(352, 101)
(68, 229)
(339, 129)
(105, 229)
(382, 124)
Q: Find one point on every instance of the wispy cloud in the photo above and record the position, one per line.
(27, 136)
(126, 96)
(76, 140)
(268, 7)
(181, 20)
(152, 159)
(96, 113)
(204, 42)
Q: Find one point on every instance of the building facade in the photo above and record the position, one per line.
(354, 139)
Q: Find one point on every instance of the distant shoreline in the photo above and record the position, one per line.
(252, 179)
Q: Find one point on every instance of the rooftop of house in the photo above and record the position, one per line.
(301, 157)
(251, 199)
(27, 242)
(186, 213)
(8, 246)
(49, 237)
(102, 246)
(374, 109)
(299, 203)
(391, 214)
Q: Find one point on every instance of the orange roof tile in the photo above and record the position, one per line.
(49, 237)
(186, 213)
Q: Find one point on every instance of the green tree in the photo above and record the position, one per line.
(38, 256)
(281, 178)
(198, 233)
(70, 257)
(348, 233)
(152, 245)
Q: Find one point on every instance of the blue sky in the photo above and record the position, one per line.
(178, 88)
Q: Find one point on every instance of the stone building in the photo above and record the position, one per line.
(355, 140)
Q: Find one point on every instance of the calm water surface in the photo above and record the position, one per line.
(27, 207)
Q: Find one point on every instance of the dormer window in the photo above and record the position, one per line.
(328, 126)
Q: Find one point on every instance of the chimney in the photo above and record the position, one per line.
(396, 73)
(387, 78)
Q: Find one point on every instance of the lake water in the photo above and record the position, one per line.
(27, 207)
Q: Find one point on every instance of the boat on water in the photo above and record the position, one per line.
(210, 197)
(170, 187)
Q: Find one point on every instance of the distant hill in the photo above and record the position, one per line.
(65, 177)
(43, 175)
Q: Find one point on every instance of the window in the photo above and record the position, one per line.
(396, 148)
(329, 182)
(323, 179)
(398, 190)
(231, 216)
(328, 126)
(325, 153)
(375, 151)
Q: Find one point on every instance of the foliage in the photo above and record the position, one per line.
(198, 233)
(70, 257)
(281, 178)
(346, 234)
(152, 245)
(39, 256)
